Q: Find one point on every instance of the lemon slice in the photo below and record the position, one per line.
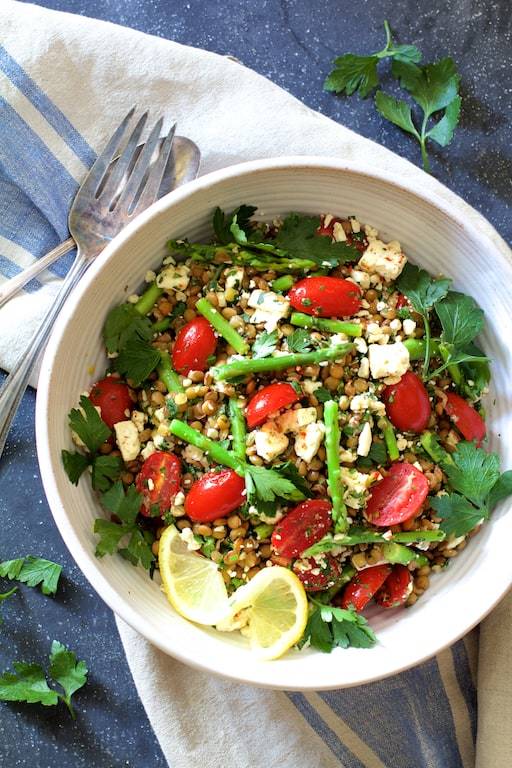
(271, 610)
(193, 584)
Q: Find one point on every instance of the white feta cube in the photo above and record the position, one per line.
(388, 359)
(409, 326)
(269, 308)
(385, 259)
(338, 232)
(174, 278)
(127, 439)
(293, 421)
(365, 440)
(269, 442)
(148, 449)
(367, 402)
(139, 419)
(187, 536)
(361, 278)
(309, 386)
(234, 278)
(356, 485)
(308, 441)
(364, 368)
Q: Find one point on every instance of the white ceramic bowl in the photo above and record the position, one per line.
(432, 235)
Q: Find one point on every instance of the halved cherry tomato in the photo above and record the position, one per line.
(360, 242)
(113, 398)
(269, 400)
(301, 527)
(398, 496)
(194, 344)
(362, 587)
(402, 301)
(465, 417)
(316, 577)
(215, 494)
(325, 297)
(158, 481)
(396, 589)
(407, 404)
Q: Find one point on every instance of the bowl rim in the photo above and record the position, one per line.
(121, 606)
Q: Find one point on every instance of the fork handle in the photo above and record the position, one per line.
(15, 284)
(16, 382)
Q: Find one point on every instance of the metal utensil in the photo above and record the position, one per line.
(182, 167)
(104, 204)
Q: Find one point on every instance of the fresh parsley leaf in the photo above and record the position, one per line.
(232, 225)
(291, 473)
(33, 571)
(75, 465)
(476, 373)
(124, 323)
(359, 73)
(264, 344)
(298, 237)
(459, 515)
(501, 489)
(137, 360)
(126, 506)
(461, 318)
(88, 425)
(267, 484)
(322, 394)
(28, 683)
(299, 341)
(329, 627)
(474, 472)
(105, 470)
(422, 290)
(433, 87)
(376, 455)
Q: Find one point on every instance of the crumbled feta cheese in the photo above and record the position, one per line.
(327, 219)
(127, 438)
(234, 278)
(356, 486)
(269, 308)
(347, 456)
(401, 443)
(179, 499)
(188, 537)
(148, 449)
(309, 386)
(361, 278)
(139, 419)
(370, 232)
(159, 441)
(338, 233)
(308, 441)
(409, 326)
(159, 415)
(133, 298)
(191, 454)
(386, 259)
(395, 324)
(270, 519)
(367, 402)
(356, 226)
(365, 440)
(293, 421)
(338, 338)
(174, 278)
(375, 334)
(343, 402)
(388, 359)
(361, 345)
(150, 276)
(269, 441)
(364, 368)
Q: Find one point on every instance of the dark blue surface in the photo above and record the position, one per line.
(292, 43)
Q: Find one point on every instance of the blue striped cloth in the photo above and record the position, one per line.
(422, 718)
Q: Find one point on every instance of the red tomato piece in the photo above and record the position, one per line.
(194, 344)
(402, 301)
(316, 577)
(398, 496)
(302, 527)
(467, 420)
(407, 404)
(325, 297)
(269, 400)
(396, 589)
(158, 481)
(215, 494)
(362, 587)
(113, 398)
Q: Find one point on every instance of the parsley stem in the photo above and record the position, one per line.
(453, 369)
(322, 324)
(426, 362)
(260, 365)
(238, 430)
(215, 452)
(222, 326)
(147, 301)
(166, 373)
(332, 449)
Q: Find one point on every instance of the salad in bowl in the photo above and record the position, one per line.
(290, 428)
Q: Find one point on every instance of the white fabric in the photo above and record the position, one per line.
(93, 72)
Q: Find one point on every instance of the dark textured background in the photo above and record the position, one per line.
(293, 44)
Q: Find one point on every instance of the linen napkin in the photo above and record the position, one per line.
(65, 82)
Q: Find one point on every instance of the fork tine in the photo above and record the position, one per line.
(97, 171)
(150, 191)
(125, 159)
(134, 182)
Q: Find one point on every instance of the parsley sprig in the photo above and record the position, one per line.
(329, 627)
(34, 572)
(265, 344)
(29, 682)
(478, 485)
(125, 536)
(88, 425)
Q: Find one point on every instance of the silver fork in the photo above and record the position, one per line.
(100, 210)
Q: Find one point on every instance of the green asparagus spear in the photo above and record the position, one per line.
(238, 430)
(332, 448)
(332, 326)
(147, 301)
(166, 373)
(259, 365)
(389, 438)
(222, 326)
(215, 451)
(283, 283)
